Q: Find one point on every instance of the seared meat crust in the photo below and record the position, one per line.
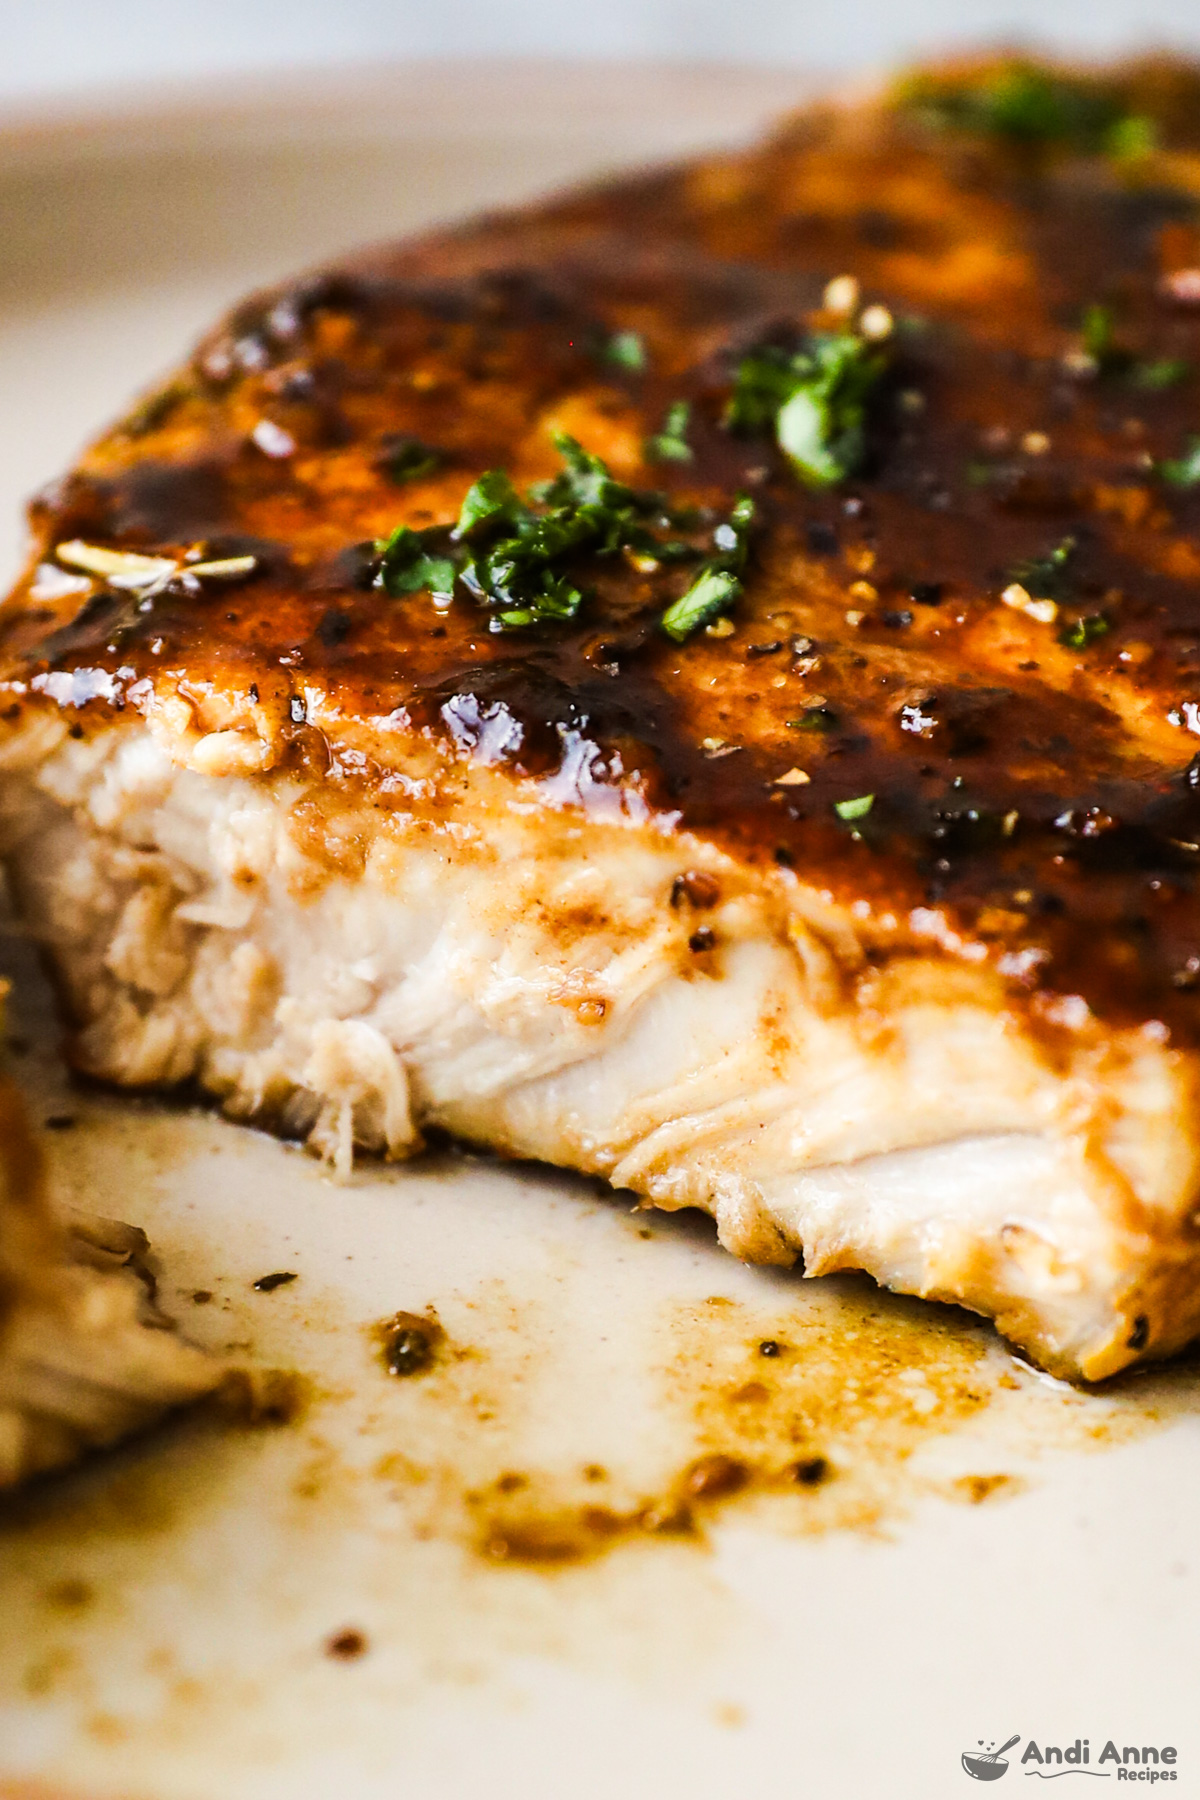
(986, 638)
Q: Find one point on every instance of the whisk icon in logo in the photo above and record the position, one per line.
(987, 1763)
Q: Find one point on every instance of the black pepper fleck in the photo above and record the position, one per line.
(811, 1471)
(408, 1343)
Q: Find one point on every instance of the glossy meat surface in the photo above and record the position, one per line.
(992, 442)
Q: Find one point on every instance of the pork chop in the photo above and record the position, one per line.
(694, 682)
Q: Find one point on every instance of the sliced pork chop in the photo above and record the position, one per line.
(695, 683)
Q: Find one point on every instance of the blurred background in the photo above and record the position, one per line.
(65, 47)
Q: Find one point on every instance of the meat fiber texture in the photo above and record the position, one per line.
(807, 831)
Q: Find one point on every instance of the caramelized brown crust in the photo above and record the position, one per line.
(1031, 795)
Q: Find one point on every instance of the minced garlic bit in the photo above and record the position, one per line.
(1035, 443)
(841, 295)
(855, 618)
(273, 440)
(226, 568)
(120, 568)
(130, 570)
(876, 323)
(793, 778)
(862, 590)
(1022, 601)
(720, 628)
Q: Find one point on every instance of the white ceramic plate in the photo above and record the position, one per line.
(474, 1580)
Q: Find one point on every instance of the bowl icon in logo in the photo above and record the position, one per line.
(988, 1765)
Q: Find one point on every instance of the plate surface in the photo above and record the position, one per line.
(652, 1523)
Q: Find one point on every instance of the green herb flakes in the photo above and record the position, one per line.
(518, 556)
(1045, 577)
(711, 594)
(670, 444)
(814, 718)
(1164, 372)
(1107, 355)
(858, 808)
(489, 501)
(1098, 335)
(626, 350)
(406, 565)
(718, 584)
(1082, 632)
(1023, 104)
(1183, 472)
(813, 399)
(408, 459)
(1131, 136)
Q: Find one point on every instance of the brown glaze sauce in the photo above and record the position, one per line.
(1037, 794)
(825, 1434)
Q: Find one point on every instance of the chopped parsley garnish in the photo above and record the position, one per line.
(718, 584)
(1183, 471)
(814, 718)
(1163, 372)
(1099, 336)
(1024, 104)
(1109, 356)
(517, 560)
(490, 500)
(854, 809)
(1131, 136)
(515, 549)
(670, 444)
(625, 350)
(1045, 577)
(813, 399)
(408, 459)
(712, 593)
(1084, 631)
(406, 566)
